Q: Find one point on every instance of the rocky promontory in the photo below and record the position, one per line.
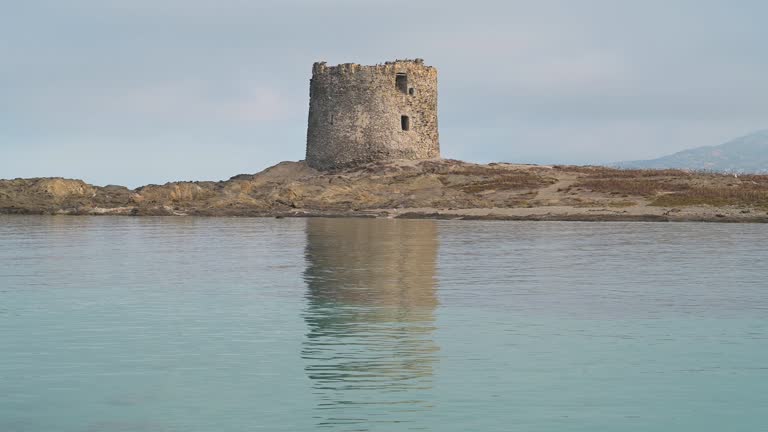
(439, 188)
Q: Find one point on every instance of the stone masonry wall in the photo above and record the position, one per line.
(355, 114)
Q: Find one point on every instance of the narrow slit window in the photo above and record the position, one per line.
(411, 91)
(401, 82)
(405, 123)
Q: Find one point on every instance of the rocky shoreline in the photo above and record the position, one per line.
(435, 189)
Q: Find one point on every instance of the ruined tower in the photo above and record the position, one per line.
(360, 114)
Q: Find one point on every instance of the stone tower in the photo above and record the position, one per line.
(360, 114)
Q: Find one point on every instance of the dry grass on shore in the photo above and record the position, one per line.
(601, 172)
(629, 186)
(511, 181)
(677, 188)
(474, 179)
(742, 195)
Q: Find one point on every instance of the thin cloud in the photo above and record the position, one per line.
(550, 81)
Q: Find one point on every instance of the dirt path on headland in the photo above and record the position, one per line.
(552, 194)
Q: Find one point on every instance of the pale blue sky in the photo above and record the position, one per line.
(148, 91)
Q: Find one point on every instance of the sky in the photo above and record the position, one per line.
(134, 92)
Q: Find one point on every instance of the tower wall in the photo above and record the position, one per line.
(359, 114)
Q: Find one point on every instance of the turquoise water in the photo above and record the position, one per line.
(187, 324)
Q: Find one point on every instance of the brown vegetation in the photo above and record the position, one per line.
(639, 187)
(718, 196)
(597, 172)
(676, 187)
(445, 186)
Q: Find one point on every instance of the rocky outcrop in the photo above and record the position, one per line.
(57, 195)
(427, 188)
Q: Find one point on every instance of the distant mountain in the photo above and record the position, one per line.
(748, 154)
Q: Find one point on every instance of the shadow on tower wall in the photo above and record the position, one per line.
(370, 315)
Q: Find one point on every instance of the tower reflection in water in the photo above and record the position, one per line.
(370, 315)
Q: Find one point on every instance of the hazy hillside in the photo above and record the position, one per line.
(745, 154)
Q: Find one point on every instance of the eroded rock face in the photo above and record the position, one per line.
(61, 189)
(56, 195)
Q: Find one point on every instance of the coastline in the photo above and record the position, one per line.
(427, 189)
(474, 215)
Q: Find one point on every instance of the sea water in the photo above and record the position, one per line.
(227, 324)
